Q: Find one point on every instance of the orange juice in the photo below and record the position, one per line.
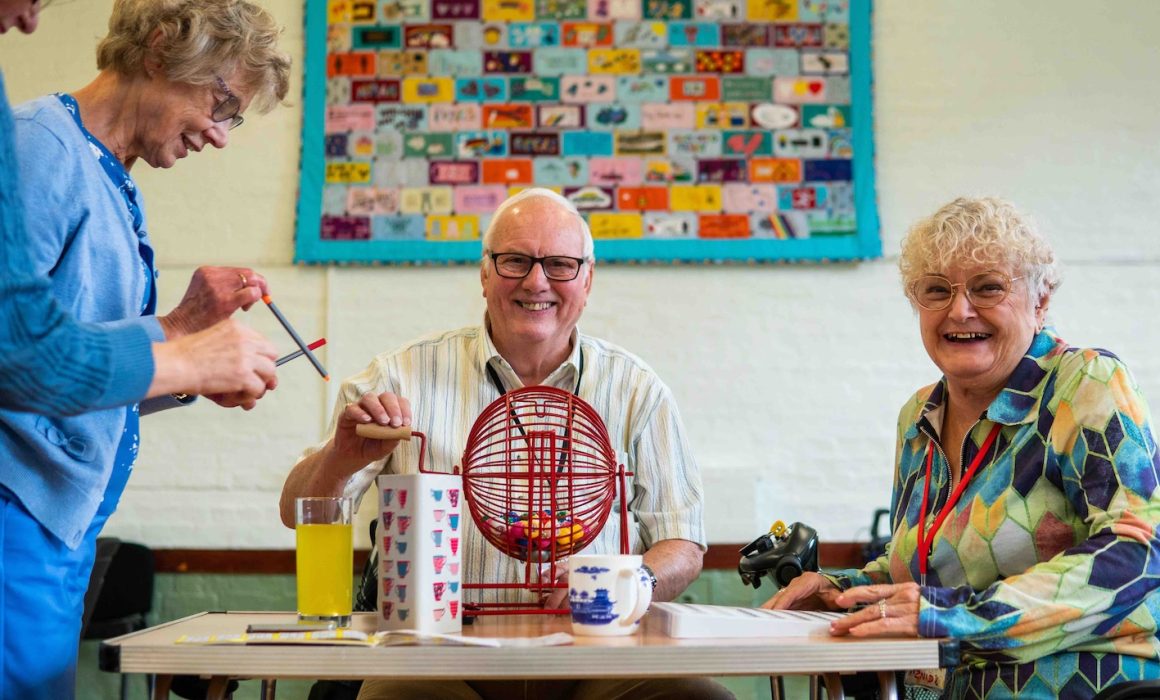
(325, 569)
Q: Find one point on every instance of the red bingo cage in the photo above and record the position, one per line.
(539, 479)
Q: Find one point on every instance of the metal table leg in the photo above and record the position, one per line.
(161, 687)
(218, 685)
(777, 688)
(887, 685)
(269, 687)
(834, 686)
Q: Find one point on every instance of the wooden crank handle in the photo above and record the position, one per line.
(383, 432)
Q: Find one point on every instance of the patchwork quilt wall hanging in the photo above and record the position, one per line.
(683, 130)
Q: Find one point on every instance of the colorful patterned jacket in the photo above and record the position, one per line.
(1047, 568)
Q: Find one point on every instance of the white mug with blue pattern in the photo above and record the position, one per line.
(608, 593)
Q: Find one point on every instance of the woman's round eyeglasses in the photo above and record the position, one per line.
(227, 110)
(984, 290)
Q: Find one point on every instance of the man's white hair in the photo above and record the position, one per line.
(488, 236)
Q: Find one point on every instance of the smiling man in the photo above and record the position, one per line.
(537, 271)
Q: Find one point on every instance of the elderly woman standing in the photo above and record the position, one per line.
(50, 363)
(175, 75)
(1025, 503)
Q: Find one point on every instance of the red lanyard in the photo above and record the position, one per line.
(926, 537)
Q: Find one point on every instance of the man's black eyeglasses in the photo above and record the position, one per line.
(227, 110)
(560, 268)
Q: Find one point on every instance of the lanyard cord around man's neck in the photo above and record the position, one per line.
(495, 380)
(567, 445)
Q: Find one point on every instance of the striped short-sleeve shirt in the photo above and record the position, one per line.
(445, 377)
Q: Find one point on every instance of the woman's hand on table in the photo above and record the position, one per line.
(809, 591)
(891, 611)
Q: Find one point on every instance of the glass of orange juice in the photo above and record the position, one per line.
(325, 559)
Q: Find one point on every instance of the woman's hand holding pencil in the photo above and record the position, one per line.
(213, 295)
(231, 364)
(207, 353)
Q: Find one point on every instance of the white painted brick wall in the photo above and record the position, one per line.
(789, 377)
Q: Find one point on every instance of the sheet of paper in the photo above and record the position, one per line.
(409, 638)
(338, 636)
(393, 638)
(701, 621)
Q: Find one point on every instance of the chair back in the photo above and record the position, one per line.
(106, 548)
(124, 594)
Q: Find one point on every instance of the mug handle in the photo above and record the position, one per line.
(641, 592)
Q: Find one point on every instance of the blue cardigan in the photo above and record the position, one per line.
(49, 362)
(80, 235)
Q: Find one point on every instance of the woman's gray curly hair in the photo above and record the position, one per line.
(196, 40)
(979, 232)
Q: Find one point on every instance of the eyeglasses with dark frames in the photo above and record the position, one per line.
(516, 266)
(984, 290)
(227, 110)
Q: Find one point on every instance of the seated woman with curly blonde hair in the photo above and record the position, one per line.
(1025, 510)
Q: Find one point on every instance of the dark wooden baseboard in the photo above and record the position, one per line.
(281, 561)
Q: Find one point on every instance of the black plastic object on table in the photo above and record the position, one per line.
(783, 553)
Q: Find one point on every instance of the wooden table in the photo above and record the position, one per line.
(647, 654)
